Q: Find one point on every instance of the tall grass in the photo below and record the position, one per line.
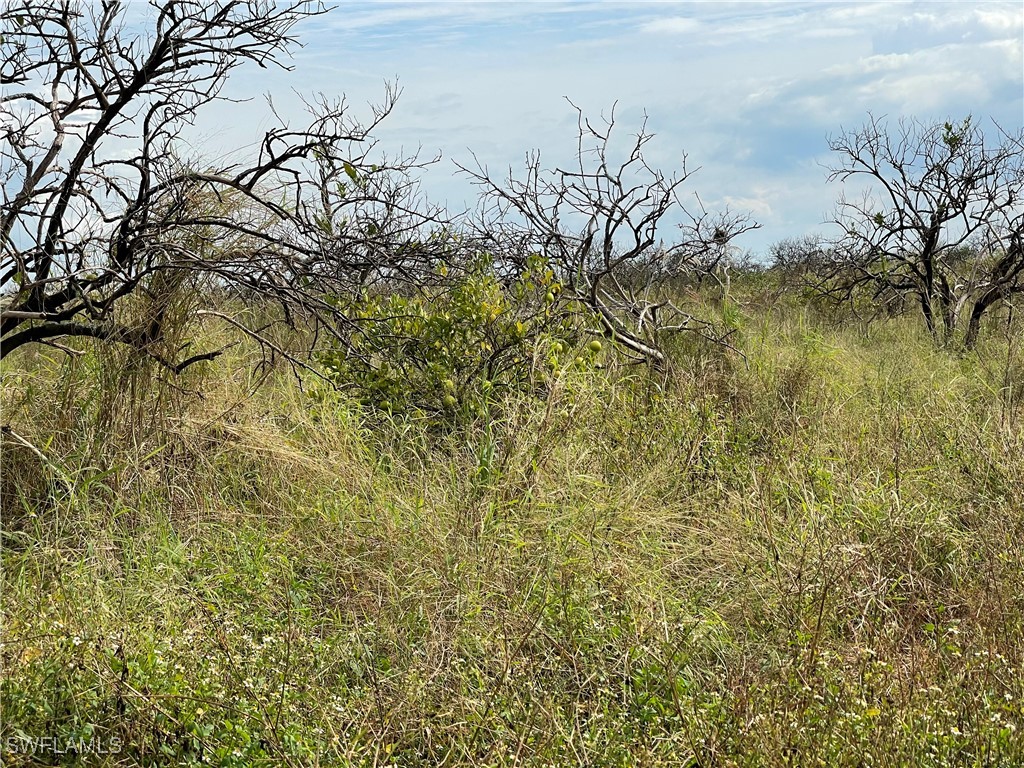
(811, 558)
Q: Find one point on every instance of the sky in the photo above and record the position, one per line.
(749, 91)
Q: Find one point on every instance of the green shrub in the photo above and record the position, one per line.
(446, 352)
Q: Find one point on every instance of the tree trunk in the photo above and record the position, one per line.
(926, 310)
(977, 312)
(947, 307)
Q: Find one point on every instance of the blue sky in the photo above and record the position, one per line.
(749, 91)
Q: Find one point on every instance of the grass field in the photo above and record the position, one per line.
(814, 558)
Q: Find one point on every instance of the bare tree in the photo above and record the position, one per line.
(101, 203)
(942, 220)
(601, 225)
(797, 257)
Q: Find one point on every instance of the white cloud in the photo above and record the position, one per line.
(1002, 21)
(672, 25)
(758, 207)
(947, 77)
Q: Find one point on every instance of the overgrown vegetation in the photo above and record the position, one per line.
(345, 481)
(811, 559)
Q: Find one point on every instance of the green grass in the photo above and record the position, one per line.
(813, 559)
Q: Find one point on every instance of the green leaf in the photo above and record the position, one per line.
(351, 171)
